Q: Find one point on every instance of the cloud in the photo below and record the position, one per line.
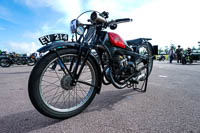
(67, 7)
(21, 47)
(6, 15)
(171, 21)
(115, 8)
(165, 21)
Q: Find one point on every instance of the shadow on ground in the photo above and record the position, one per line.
(107, 99)
(24, 122)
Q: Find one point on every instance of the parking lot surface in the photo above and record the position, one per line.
(171, 104)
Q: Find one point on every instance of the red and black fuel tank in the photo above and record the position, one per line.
(117, 41)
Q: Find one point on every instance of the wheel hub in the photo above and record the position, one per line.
(66, 82)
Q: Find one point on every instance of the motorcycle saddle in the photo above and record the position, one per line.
(137, 41)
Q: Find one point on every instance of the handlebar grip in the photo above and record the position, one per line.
(123, 20)
(97, 18)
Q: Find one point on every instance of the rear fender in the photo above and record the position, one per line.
(152, 48)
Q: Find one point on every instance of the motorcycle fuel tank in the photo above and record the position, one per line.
(116, 40)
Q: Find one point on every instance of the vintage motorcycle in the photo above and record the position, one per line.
(11, 59)
(187, 57)
(66, 79)
(32, 59)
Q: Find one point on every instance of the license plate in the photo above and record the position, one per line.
(53, 37)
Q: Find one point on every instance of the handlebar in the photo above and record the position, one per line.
(123, 20)
(117, 21)
(100, 18)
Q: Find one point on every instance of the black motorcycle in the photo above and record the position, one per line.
(32, 59)
(187, 57)
(66, 79)
(10, 59)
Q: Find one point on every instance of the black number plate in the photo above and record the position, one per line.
(53, 37)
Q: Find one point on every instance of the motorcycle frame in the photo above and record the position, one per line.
(93, 39)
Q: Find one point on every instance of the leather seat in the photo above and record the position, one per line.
(137, 41)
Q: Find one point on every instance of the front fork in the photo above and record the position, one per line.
(73, 71)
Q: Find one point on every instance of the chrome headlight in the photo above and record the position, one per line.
(76, 27)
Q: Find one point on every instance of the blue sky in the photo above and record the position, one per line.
(171, 21)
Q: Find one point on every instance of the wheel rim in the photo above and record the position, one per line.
(31, 62)
(4, 62)
(60, 99)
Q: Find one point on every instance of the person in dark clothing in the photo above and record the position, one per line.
(171, 54)
(189, 50)
(179, 54)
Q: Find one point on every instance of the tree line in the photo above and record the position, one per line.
(166, 49)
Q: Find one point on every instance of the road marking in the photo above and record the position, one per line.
(162, 76)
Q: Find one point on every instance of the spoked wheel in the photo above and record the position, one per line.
(31, 62)
(51, 91)
(4, 62)
(144, 66)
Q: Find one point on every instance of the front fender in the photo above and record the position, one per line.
(94, 59)
(57, 45)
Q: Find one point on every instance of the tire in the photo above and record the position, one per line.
(190, 59)
(31, 62)
(183, 61)
(5, 62)
(37, 77)
(18, 62)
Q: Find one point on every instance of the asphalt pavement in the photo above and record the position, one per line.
(171, 104)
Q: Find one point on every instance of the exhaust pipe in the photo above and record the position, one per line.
(141, 77)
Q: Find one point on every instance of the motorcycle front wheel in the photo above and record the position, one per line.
(50, 90)
(31, 62)
(5, 62)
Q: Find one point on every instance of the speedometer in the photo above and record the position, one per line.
(80, 30)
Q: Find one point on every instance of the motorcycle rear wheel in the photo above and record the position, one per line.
(47, 92)
(144, 50)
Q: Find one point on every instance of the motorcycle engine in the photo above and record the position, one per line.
(123, 67)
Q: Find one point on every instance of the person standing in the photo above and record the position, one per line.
(171, 54)
(178, 54)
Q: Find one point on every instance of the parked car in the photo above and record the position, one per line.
(161, 57)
